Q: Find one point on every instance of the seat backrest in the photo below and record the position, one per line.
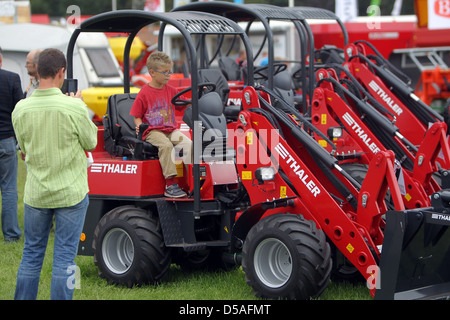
(230, 68)
(120, 130)
(210, 112)
(214, 136)
(216, 77)
(122, 123)
(282, 85)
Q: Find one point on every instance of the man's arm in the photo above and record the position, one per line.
(87, 132)
(17, 89)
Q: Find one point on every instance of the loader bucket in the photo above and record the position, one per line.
(415, 257)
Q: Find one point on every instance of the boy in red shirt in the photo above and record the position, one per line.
(153, 106)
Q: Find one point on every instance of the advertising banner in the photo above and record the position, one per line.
(438, 14)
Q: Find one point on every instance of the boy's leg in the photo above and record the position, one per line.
(169, 169)
(182, 143)
(160, 140)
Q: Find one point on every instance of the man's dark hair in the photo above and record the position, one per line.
(50, 62)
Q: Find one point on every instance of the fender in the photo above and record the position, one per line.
(253, 214)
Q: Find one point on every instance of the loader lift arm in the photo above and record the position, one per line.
(420, 162)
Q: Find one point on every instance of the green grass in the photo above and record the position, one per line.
(180, 285)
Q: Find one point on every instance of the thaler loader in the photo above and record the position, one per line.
(272, 199)
(364, 132)
(354, 217)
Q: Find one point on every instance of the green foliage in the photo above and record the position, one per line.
(89, 7)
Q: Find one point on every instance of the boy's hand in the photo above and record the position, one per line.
(137, 123)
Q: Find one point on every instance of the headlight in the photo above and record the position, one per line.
(265, 174)
(334, 132)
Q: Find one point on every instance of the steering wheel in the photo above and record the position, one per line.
(260, 73)
(204, 87)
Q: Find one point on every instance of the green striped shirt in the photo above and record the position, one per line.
(54, 130)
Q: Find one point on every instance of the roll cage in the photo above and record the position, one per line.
(265, 13)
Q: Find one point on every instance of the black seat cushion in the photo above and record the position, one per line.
(216, 77)
(119, 129)
(214, 127)
(230, 69)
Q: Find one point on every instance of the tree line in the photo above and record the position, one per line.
(58, 8)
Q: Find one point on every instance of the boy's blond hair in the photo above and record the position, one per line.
(157, 60)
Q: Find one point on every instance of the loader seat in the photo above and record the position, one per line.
(230, 69)
(119, 130)
(283, 86)
(214, 127)
(215, 76)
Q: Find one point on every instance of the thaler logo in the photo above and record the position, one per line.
(113, 168)
(385, 97)
(437, 216)
(442, 8)
(303, 177)
(360, 132)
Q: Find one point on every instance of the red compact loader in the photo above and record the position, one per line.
(366, 222)
(421, 185)
(261, 192)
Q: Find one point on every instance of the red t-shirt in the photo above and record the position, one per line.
(153, 106)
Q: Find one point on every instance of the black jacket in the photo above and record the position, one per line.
(10, 93)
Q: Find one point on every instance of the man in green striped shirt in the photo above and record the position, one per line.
(54, 131)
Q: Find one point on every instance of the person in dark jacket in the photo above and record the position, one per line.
(10, 93)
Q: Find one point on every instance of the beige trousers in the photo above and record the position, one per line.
(167, 153)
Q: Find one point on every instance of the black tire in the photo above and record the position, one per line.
(356, 170)
(285, 256)
(129, 248)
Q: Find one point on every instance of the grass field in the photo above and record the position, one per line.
(181, 285)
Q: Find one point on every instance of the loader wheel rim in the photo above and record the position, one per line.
(118, 251)
(273, 263)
